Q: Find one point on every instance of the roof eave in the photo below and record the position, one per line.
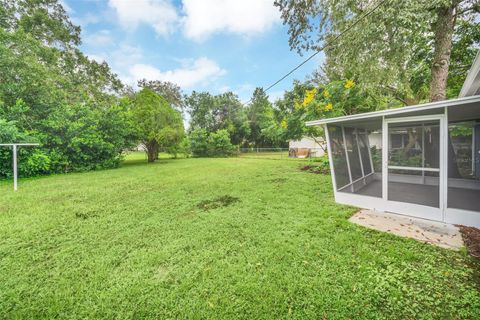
(471, 86)
(418, 108)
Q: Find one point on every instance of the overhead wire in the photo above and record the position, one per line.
(326, 45)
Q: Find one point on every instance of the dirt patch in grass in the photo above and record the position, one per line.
(471, 237)
(315, 169)
(218, 202)
(86, 214)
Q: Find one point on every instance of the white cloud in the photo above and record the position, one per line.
(100, 58)
(275, 95)
(101, 38)
(246, 17)
(192, 73)
(160, 14)
(85, 20)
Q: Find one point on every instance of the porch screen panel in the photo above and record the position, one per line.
(414, 145)
(414, 162)
(414, 187)
(339, 157)
(353, 155)
(464, 166)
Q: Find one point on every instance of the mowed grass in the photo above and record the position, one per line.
(145, 241)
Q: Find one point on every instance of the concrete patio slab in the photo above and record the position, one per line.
(436, 233)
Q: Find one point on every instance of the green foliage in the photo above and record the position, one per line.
(310, 101)
(215, 144)
(182, 148)
(390, 51)
(157, 125)
(213, 113)
(260, 115)
(199, 142)
(219, 144)
(51, 93)
(170, 91)
(424, 285)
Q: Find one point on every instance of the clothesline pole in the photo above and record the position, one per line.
(15, 167)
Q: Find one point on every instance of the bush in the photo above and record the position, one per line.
(199, 142)
(31, 160)
(215, 144)
(72, 138)
(219, 144)
(182, 148)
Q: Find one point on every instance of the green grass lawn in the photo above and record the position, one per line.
(138, 242)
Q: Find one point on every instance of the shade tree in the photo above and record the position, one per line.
(157, 124)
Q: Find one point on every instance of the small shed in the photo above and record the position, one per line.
(421, 161)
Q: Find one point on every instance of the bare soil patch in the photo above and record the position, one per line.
(219, 202)
(471, 237)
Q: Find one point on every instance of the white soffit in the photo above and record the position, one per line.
(471, 86)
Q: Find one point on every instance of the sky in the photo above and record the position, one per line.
(202, 45)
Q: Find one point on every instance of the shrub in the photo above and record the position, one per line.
(31, 161)
(219, 144)
(215, 144)
(199, 142)
(182, 148)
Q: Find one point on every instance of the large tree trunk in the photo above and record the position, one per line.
(152, 150)
(443, 30)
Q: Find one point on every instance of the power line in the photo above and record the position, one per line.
(324, 47)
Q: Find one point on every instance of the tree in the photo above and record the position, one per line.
(46, 20)
(168, 90)
(157, 124)
(260, 117)
(53, 94)
(388, 51)
(213, 113)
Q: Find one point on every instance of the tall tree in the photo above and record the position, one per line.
(53, 94)
(45, 20)
(170, 91)
(158, 124)
(260, 117)
(213, 113)
(389, 50)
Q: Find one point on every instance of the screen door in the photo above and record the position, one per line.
(413, 182)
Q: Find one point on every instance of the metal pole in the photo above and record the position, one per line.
(385, 147)
(423, 152)
(346, 156)
(15, 167)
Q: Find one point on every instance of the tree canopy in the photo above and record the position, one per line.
(399, 50)
(156, 123)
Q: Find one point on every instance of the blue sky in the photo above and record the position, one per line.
(203, 45)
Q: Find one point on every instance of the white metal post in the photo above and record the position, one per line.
(385, 136)
(346, 156)
(423, 152)
(369, 150)
(15, 175)
(359, 155)
(330, 159)
(14, 153)
(444, 140)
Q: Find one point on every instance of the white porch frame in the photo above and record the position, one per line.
(422, 211)
(442, 213)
